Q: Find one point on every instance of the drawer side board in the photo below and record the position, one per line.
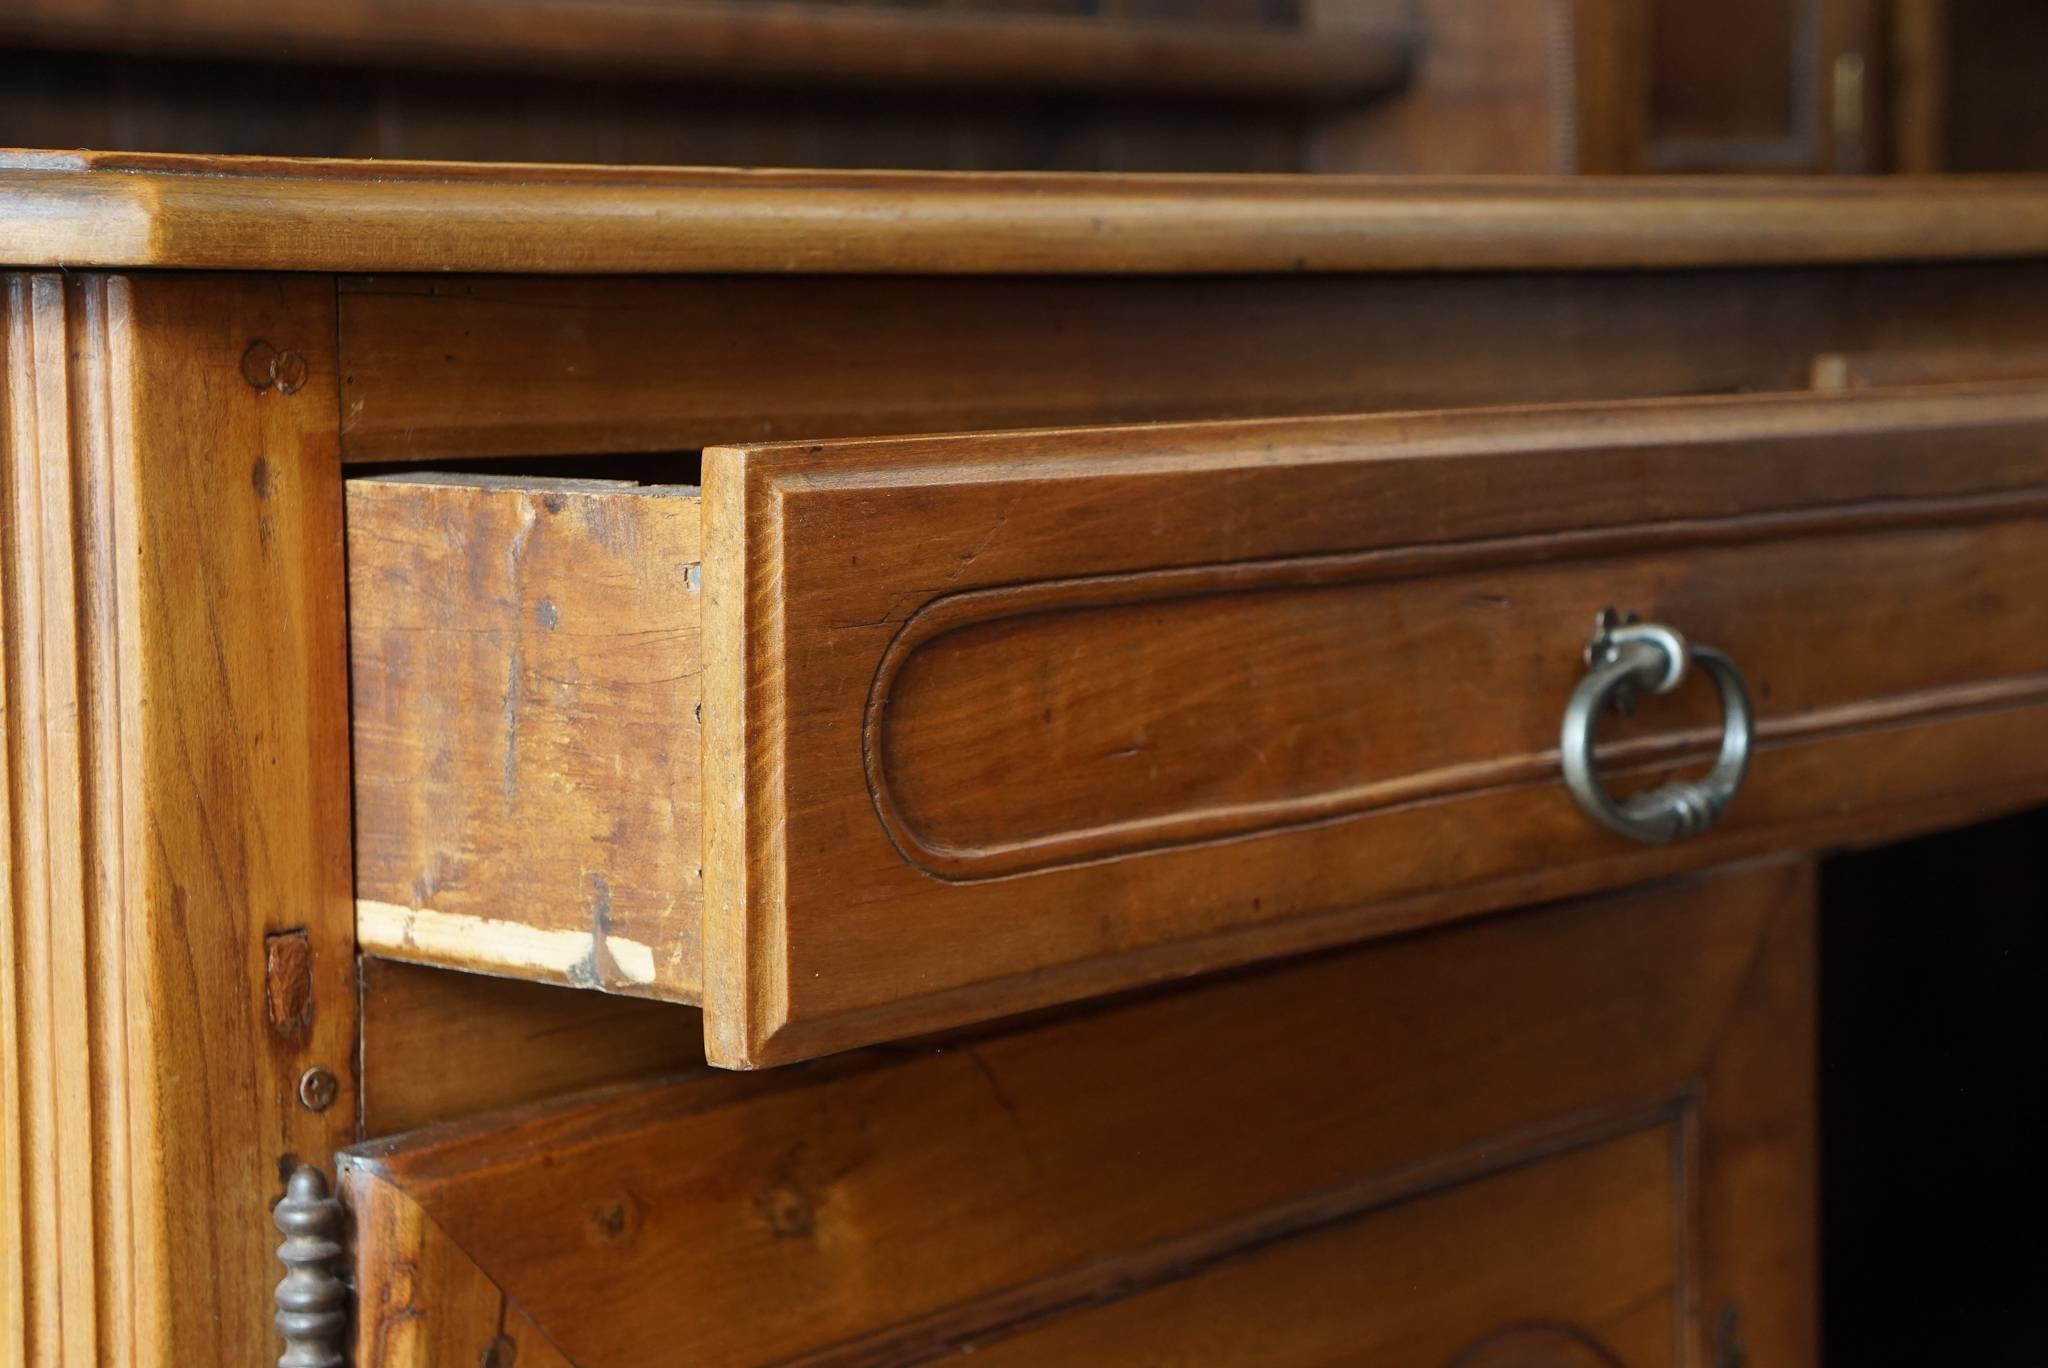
(525, 671)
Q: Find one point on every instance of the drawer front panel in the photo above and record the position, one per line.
(995, 721)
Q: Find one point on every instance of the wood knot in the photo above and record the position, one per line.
(789, 1212)
(613, 1222)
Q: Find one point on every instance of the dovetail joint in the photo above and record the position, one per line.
(312, 1301)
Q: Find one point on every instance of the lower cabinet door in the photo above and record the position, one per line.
(1578, 1136)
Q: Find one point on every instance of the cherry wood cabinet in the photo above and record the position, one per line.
(952, 646)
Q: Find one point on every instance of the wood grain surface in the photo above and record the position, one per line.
(438, 1045)
(1101, 1178)
(422, 1301)
(1607, 1215)
(978, 709)
(525, 679)
(178, 945)
(585, 367)
(224, 213)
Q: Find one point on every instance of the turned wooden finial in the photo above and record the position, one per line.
(312, 1301)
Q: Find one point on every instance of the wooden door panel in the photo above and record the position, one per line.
(1595, 1116)
(1569, 1262)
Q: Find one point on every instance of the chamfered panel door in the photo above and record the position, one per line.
(1573, 1136)
(1567, 1262)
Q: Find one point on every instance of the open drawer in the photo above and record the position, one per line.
(901, 734)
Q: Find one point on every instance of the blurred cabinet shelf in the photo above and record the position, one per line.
(1428, 86)
(976, 50)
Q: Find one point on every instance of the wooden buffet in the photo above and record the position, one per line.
(774, 767)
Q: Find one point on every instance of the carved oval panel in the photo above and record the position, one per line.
(1025, 727)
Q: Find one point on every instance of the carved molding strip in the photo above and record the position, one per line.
(64, 938)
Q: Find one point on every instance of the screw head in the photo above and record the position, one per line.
(257, 364)
(264, 366)
(290, 371)
(318, 1088)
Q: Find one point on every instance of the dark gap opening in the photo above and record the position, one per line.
(1933, 1095)
(646, 468)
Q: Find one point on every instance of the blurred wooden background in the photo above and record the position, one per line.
(1214, 85)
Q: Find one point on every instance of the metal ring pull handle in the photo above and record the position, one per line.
(1625, 658)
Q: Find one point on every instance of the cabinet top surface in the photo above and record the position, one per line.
(87, 209)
